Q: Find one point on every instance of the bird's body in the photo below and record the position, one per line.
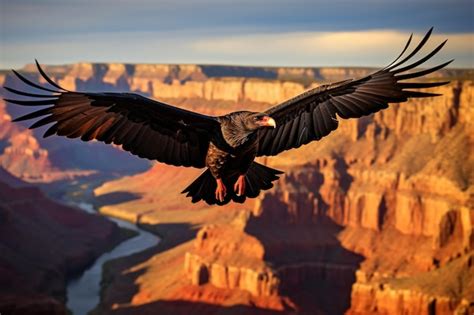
(227, 145)
(230, 159)
(221, 162)
(241, 148)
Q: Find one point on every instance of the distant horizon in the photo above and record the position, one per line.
(210, 65)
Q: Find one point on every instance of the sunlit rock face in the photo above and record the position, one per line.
(21, 153)
(390, 201)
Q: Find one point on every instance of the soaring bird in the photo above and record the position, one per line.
(227, 145)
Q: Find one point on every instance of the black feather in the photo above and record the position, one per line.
(422, 85)
(420, 45)
(343, 110)
(416, 94)
(38, 113)
(403, 51)
(22, 78)
(51, 131)
(42, 122)
(422, 73)
(32, 103)
(28, 94)
(47, 78)
(422, 60)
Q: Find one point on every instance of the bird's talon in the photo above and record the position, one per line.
(221, 191)
(239, 186)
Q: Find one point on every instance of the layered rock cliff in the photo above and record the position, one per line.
(402, 176)
(211, 83)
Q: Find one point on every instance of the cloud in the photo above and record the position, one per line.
(49, 18)
(271, 32)
(360, 48)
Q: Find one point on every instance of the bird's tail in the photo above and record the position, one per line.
(259, 177)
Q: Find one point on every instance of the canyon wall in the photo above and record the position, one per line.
(376, 218)
(403, 175)
(211, 83)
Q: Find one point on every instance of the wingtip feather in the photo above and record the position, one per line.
(413, 53)
(48, 79)
(28, 82)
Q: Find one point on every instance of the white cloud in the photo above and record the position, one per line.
(362, 48)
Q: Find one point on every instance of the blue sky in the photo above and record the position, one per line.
(241, 32)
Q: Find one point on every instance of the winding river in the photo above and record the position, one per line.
(83, 293)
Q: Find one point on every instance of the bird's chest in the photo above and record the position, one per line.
(221, 162)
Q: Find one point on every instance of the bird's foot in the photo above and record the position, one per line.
(239, 186)
(221, 191)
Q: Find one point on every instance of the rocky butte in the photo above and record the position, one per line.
(376, 218)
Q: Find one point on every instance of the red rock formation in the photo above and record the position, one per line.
(20, 152)
(430, 293)
(24, 157)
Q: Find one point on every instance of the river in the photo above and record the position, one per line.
(83, 293)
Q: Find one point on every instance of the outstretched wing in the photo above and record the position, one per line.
(147, 128)
(312, 115)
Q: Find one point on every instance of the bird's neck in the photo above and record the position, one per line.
(236, 138)
(235, 133)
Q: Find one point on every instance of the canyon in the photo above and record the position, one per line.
(42, 244)
(376, 218)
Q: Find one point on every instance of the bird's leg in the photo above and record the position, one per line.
(239, 186)
(221, 191)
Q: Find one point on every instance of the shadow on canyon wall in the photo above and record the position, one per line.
(316, 272)
(171, 234)
(178, 307)
(115, 198)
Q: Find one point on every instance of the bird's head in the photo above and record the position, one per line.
(255, 121)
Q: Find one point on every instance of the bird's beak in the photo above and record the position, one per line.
(268, 122)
